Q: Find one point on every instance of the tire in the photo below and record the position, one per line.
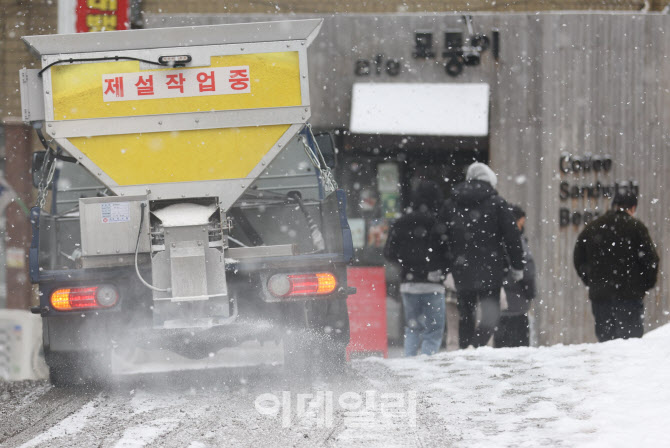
(70, 369)
(330, 355)
(297, 348)
(59, 378)
(330, 320)
(316, 334)
(65, 369)
(295, 339)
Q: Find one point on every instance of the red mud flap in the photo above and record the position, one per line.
(367, 311)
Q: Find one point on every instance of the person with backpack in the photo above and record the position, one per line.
(413, 243)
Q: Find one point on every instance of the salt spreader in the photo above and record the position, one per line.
(184, 202)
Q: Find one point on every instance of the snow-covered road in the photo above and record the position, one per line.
(612, 394)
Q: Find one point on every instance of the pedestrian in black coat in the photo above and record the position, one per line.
(513, 329)
(479, 236)
(617, 260)
(413, 243)
(412, 240)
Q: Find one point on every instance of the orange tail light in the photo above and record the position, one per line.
(291, 285)
(90, 297)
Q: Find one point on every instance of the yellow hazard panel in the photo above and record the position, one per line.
(274, 81)
(163, 157)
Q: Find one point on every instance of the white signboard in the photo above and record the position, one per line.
(450, 109)
(175, 83)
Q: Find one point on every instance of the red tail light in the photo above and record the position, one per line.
(89, 297)
(291, 285)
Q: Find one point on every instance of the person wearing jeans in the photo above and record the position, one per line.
(413, 243)
(424, 308)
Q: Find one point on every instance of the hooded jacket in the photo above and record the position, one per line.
(478, 234)
(614, 256)
(412, 240)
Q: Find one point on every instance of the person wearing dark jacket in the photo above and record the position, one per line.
(413, 244)
(479, 235)
(617, 260)
(513, 328)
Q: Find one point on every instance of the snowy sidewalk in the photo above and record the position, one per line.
(615, 394)
(592, 395)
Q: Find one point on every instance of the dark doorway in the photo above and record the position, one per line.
(378, 173)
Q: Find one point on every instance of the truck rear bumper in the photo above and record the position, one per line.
(131, 321)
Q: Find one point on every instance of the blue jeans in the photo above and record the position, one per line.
(424, 322)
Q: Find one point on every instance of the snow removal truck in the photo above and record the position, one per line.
(183, 201)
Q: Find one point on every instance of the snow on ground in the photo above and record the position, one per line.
(591, 395)
(71, 425)
(615, 394)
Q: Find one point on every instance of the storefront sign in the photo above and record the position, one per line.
(460, 50)
(597, 192)
(101, 15)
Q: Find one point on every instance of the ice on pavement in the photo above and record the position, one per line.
(610, 395)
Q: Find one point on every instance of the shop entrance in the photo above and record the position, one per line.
(378, 175)
(379, 179)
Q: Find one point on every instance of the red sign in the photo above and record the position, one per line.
(367, 311)
(102, 15)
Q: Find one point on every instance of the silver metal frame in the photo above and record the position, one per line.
(188, 36)
(178, 122)
(32, 98)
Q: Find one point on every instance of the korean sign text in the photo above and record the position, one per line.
(175, 83)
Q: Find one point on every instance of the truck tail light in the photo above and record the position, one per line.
(292, 285)
(88, 297)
